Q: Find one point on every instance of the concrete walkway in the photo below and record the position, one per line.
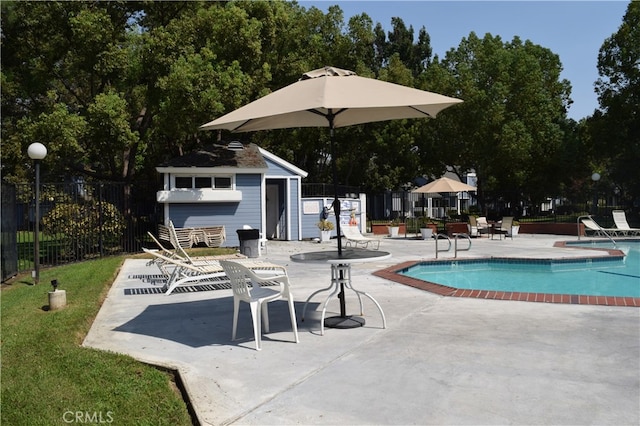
(440, 360)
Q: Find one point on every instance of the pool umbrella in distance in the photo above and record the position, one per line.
(332, 97)
(444, 185)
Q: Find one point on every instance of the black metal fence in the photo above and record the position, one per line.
(82, 220)
(78, 221)
(407, 205)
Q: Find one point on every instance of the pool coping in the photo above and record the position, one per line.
(391, 273)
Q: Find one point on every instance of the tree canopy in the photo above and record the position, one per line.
(115, 88)
(614, 130)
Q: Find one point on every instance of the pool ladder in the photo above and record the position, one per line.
(456, 238)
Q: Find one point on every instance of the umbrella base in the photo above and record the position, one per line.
(344, 322)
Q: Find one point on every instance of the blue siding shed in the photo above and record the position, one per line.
(227, 184)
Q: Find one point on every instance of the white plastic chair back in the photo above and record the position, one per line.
(238, 280)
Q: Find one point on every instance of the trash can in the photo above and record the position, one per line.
(249, 242)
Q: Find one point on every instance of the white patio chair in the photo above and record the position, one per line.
(257, 297)
(504, 228)
(477, 226)
(483, 225)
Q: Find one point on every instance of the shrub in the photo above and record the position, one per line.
(84, 226)
(325, 225)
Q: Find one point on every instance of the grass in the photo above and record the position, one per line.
(47, 377)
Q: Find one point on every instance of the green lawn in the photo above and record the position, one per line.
(48, 378)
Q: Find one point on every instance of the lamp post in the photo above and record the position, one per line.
(595, 177)
(37, 152)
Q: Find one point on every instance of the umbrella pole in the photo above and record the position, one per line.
(336, 202)
(336, 210)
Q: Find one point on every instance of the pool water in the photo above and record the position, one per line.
(593, 277)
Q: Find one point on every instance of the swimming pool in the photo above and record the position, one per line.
(550, 280)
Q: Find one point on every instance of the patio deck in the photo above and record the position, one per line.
(441, 360)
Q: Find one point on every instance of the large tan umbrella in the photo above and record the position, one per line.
(445, 184)
(332, 97)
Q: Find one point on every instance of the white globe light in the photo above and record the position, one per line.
(37, 151)
(595, 177)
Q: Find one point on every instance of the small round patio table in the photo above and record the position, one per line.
(341, 280)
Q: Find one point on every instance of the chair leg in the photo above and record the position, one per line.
(292, 314)
(265, 316)
(255, 317)
(236, 308)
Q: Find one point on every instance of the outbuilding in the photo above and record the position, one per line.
(236, 185)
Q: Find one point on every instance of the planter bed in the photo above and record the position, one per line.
(551, 228)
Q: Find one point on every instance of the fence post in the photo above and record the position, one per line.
(100, 240)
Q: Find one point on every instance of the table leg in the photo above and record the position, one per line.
(313, 294)
(384, 320)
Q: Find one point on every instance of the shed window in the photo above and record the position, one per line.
(184, 182)
(203, 182)
(222, 182)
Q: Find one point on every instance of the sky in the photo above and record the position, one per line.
(574, 30)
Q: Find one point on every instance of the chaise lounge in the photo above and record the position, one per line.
(620, 219)
(354, 237)
(596, 230)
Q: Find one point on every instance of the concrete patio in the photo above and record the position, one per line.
(441, 360)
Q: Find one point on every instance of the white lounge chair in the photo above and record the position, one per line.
(181, 273)
(182, 237)
(592, 226)
(620, 219)
(258, 297)
(354, 237)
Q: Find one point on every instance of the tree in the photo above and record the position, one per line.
(615, 130)
(508, 128)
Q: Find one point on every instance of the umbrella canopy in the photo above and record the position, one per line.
(332, 97)
(445, 184)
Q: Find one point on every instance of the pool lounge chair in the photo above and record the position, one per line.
(354, 237)
(620, 219)
(177, 253)
(181, 273)
(596, 230)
